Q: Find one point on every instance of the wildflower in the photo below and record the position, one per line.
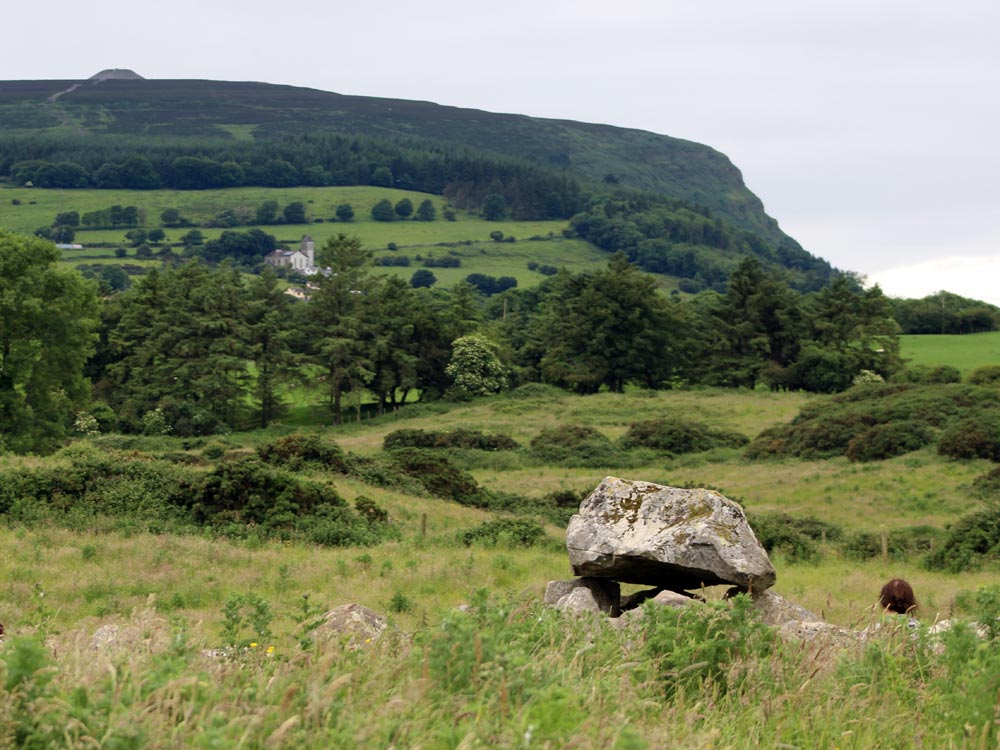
(270, 650)
(253, 645)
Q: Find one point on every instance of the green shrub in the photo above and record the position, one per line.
(901, 544)
(796, 538)
(249, 491)
(827, 428)
(458, 438)
(573, 445)
(296, 450)
(924, 374)
(985, 375)
(679, 436)
(970, 542)
(509, 532)
(890, 439)
(437, 475)
(976, 436)
(987, 486)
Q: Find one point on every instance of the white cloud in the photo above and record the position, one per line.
(975, 277)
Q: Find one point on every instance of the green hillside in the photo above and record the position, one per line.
(243, 111)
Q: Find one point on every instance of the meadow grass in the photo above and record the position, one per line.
(508, 673)
(964, 352)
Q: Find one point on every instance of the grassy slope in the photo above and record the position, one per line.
(165, 589)
(964, 352)
(920, 488)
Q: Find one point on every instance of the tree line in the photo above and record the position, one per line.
(467, 178)
(194, 348)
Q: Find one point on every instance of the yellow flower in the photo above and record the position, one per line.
(270, 650)
(253, 645)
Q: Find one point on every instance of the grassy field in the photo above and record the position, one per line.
(468, 237)
(964, 352)
(510, 674)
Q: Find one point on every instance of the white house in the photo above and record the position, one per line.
(302, 260)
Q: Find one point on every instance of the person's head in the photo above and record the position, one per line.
(897, 596)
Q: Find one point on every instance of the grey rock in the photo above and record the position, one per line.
(605, 594)
(355, 625)
(775, 610)
(640, 532)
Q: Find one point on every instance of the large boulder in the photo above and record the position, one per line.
(673, 538)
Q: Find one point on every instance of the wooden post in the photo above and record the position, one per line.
(423, 525)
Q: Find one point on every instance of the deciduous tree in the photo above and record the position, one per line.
(48, 319)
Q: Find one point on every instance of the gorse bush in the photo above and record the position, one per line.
(460, 438)
(924, 374)
(508, 532)
(987, 486)
(295, 451)
(890, 439)
(970, 542)
(679, 436)
(796, 538)
(237, 498)
(975, 436)
(437, 475)
(828, 428)
(573, 445)
(985, 375)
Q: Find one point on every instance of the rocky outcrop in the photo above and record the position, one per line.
(669, 537)
(355, 625)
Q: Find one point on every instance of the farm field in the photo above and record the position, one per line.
(965, 352)
(467, 238)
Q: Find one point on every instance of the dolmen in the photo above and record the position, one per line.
(675, 540)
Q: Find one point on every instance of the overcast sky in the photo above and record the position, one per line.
(867, 127)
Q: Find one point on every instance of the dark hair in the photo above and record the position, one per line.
(897, 596)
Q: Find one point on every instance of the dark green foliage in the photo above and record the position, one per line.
(702, 646)
(573, 445)
(293, 452)
(438, 475)
(924, 374)
(985, 375)
(459, 438)
(96, 483)
(945, 313)
(404, 208)
(383, 211)
(796, 538)
(247, 492)
(987, 486)
(490, 285)
(901, 544)
(423, 279)
(975, 436)
(369, 509)
(426, 211)
(971, 542)
(506, 532)
(673, 435)
(890, 439)
(826, 428)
